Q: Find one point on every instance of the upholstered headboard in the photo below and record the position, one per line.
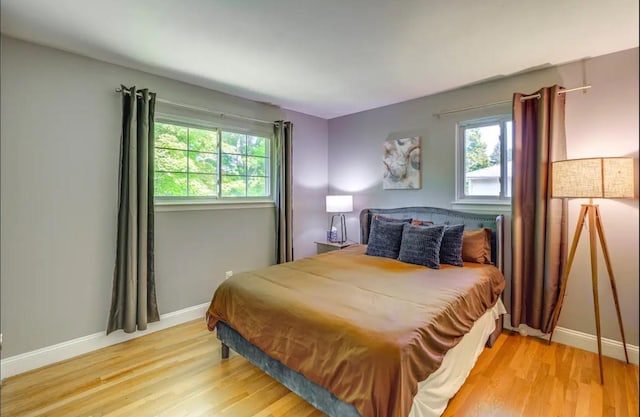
(444, 216)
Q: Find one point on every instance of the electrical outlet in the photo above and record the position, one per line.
(228, 274)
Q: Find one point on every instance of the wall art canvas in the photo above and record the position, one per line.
(401, 162)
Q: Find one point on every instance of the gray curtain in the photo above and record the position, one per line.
(133, 298)
(539, 231)
(283, 136)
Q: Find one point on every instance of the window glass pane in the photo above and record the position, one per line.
(256, 166)
(234, 143)
(509, 140)
(170, 184)
(234, 186)
(234, 164)
(170, 160)
(482, 161)
(170, 136)
(202, 185)
(187, 160)
(257, 146)
(203, 162)
(257, 187)
(203, 140)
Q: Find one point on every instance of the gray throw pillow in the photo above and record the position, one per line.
(391, 219)
(420, 245)
(384, 238)
(451, 246)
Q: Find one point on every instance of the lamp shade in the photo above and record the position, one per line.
(592, 178)
(339, 204)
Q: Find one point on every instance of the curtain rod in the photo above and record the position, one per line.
(203, 109)
(496, 103)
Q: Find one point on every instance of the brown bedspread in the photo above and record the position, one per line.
(368, 329)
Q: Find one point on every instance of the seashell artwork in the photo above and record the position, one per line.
(401, 164)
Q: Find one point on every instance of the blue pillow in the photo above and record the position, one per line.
(385, 238)
(420, 245)
(451, 246)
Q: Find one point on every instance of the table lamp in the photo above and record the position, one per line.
(339, 204)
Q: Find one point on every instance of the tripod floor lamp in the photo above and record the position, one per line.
(592, 178)
(339, 204)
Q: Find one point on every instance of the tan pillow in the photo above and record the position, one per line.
(476, 246)
(422, 222)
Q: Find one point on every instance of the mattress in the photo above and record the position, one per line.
(367, 329)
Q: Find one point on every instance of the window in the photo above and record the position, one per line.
(484, 159)
(210, 163)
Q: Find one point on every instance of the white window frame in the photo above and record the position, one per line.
(461, 198)
(170, 203)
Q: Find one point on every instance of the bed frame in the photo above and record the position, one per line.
(317, 395)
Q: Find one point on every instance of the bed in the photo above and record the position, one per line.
(369, 336)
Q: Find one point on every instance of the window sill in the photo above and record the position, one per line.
(162, 206)
(487, 206)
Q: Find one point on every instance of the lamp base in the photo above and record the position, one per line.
(591, 212)
(343, 228)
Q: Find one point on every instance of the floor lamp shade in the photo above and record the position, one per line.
(593, 178)
(339, 204)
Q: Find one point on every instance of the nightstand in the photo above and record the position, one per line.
(326, 246)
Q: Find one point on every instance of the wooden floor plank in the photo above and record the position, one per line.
(177, 372)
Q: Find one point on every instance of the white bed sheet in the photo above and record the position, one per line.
(435, 392)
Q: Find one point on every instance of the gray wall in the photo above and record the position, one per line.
(59, 148)
(602, 122)
(310, 180)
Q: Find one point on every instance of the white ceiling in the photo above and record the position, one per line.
(328, 57)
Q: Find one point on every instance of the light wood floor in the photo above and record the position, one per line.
(178, 372)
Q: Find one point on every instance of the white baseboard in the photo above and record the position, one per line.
(45, 356)
(580, 340)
